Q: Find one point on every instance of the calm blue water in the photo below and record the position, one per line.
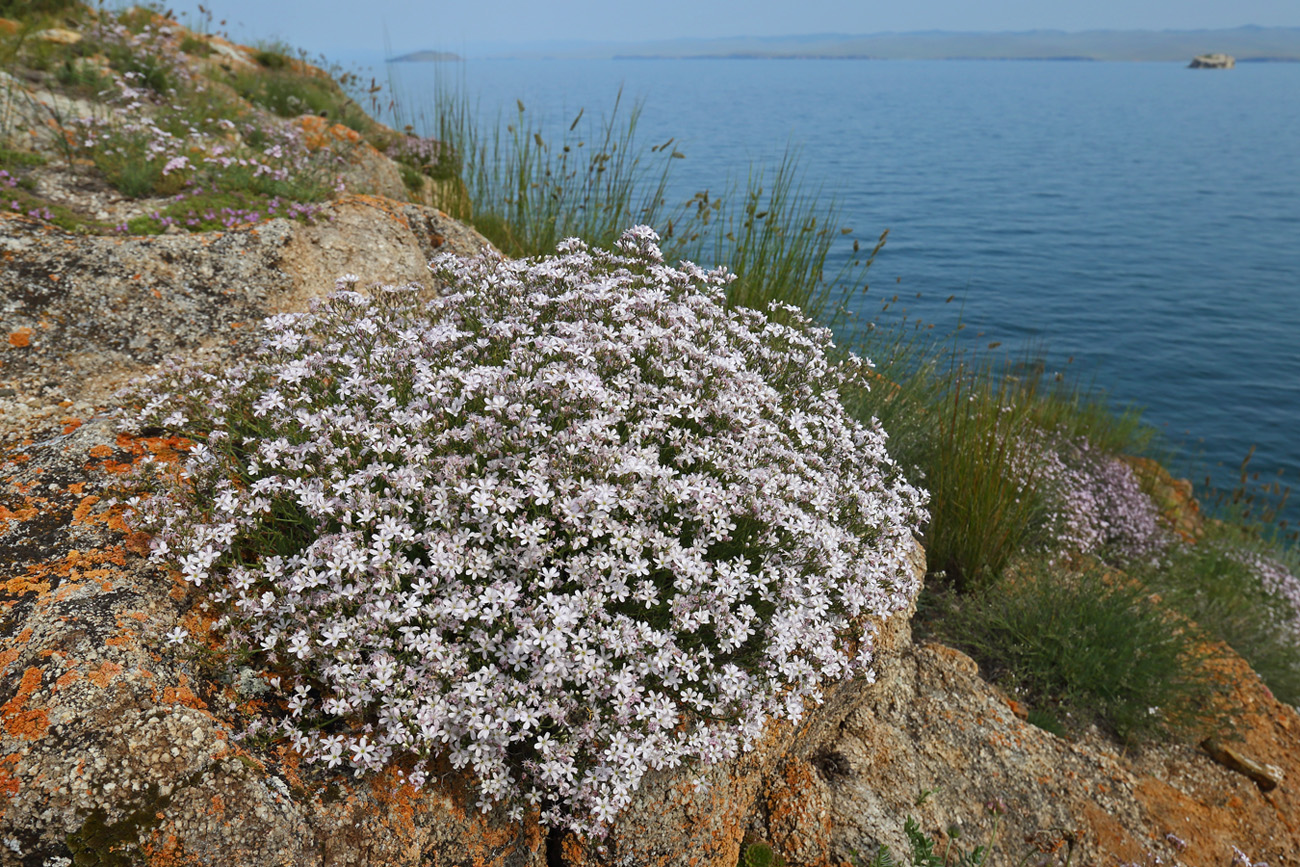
(1142, 219)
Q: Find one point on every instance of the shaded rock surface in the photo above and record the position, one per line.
(932, 725)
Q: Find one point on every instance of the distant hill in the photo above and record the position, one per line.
(426, 57)
(1245, 43)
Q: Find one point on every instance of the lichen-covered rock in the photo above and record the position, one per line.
(115, 750)
(935, 741)
(362, 169)
(81, 315)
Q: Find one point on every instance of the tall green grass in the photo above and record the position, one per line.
(527, 190)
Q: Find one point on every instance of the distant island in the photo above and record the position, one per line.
(426, 57)
(1246, 44)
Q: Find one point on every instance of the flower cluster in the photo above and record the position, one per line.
(208, 153)
(149, 54)
(1279, 582)
(571, 522)
(166, 131)
(1241, 859)
(1097, 505)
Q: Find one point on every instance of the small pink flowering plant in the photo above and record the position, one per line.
(1095, 502)
(571, 522)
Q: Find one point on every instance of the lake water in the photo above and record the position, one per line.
(1140, 218)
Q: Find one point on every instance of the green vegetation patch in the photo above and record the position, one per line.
(17, 196)
(1241, 591)
(287, 93)
(215, 210)
(1090, 646)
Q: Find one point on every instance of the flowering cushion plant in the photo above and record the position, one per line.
(570, 522)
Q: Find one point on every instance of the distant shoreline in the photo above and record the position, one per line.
(837, 57)
(1248, 44)
(1054, 59)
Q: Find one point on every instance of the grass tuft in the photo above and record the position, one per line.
(1090, 646)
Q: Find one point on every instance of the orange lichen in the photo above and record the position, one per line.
(319, 133)
(28, 724)
(83, 509)
(388, 207)
(66, 680)
(100, 451)
(23, 514)
(182, 694)
(23, 584)
(70, 424)
(20, 338)
(104, 675)
(94, 564)
(137, 543)
(9, 784)
(165, 852)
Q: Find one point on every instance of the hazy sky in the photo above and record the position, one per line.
(352, 26)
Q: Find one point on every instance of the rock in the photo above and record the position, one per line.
(29, 113)
(365, 170)
(58, 35)
(1212, 61)
(84, 314)
(934, 741)
(227, 54)
(1267, 777)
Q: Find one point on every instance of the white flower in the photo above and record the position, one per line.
(504, 519)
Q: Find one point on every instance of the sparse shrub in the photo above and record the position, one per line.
(271, 59)
(142, 51)
(196, 46)
(205, 210)
(16, 197)
(142, 16)
(23, 9)
(412, 179)
(759, 854)
(20, 159)
(1091, 645)
(1243, 594)
(571, 521)
(287, 93)
(140, 157)
(81, 76)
